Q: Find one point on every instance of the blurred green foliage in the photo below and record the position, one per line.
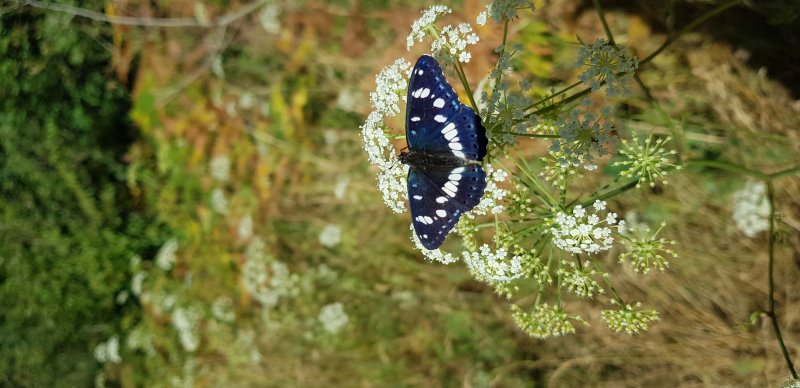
(68, 224)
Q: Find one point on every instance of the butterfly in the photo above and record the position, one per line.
(446, 144)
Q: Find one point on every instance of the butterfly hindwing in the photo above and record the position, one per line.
(436, 121)
(439, 196)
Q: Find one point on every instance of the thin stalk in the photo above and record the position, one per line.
(614, 192)
(463, 77)
(787, 172)
(602, 16)
(729, 167)
(702, 19)
(772, 315)
(529, 134)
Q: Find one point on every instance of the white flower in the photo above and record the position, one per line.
(218, 201)
(186, 321)
(433, 255)
(165, 258)
(421, 25)
(481, 19)
(579, 280)
(245, 228)
(222, 309)
(269, 18)
(604, 62)
(267, 287)
(453, 42)
(493, 195)
(381, 153)
(494, 266)
(751, 208)
(340, 189)
(137, 281)
(332, 317)
(219, 167)
(331, 235)
(582, 233)
(108, 351)
(390, 85)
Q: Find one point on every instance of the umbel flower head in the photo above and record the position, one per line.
(646, 251)
(646, 161)
(751, 208)
(450, 44)
(606, 64)
(582, 232)
(629, 319)
(545, 321)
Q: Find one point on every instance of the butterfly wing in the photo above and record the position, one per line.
(438, 198)
(436, 121)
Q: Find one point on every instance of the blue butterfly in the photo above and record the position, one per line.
(446, 143)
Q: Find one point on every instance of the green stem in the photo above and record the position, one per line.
(529, 134)
(728, 167)
(463, 77)
(772, 315)
(602, 16)
(614, 192)
(787, 172)
(702, 19)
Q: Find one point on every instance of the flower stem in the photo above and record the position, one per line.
(529, 134)
(772, 315)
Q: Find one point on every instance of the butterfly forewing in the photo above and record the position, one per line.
(439, 196)
(436, 121)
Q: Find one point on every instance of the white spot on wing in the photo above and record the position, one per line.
(440, 118)
(428, 219)
(415, 119)
(456, 146)
(452, 177)
(420, 71)
(450, 186)
(448, 191)
(418, 197)
(425, 92)
(439, 103)
(441, 213)
(459, 154)
(441, 199)
(417, 92)
(457, 170)
(450, 135)
(448, 128)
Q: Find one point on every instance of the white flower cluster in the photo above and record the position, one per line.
(454, 41)
(581, 232)
(332, 317)
(222, 309)
(267, 287)
(544, 321)
(500, 10)
(219, 166)
(579, 280)
(493, 195)
(245, 228)
(647, 162)
(751, 208)
(420, 26)
(108, 351)
(629, 319)
(494, 266)
(791, 383)
(218, 201)
(186, 322)
(390, 85)
(331, 235)
(436, 255)
(165, 258)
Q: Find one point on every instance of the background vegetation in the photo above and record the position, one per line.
(190, 205)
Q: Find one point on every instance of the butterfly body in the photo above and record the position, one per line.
(446, 144)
